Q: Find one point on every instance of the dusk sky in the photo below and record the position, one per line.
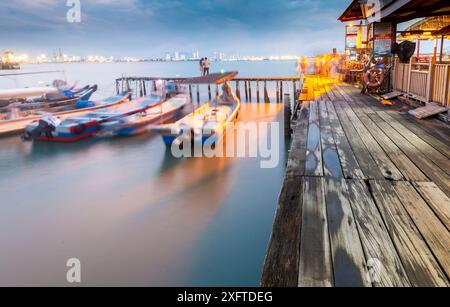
(149, 28)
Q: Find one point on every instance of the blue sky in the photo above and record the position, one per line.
(149, 28)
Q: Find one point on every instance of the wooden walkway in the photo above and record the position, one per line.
(366, 197)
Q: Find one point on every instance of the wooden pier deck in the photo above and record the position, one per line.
(366, 197)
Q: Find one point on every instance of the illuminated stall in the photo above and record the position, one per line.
(425, 78)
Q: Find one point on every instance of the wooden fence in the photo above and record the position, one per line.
(426, 82)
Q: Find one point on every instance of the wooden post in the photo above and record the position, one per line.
(294, 88)
(250, 90)
(281, 90)
(257, 92)
(430, 81)
(154, 86)
(238, 90)
(209, 92)
(217, 91)
(141, 91)
(190, 91)
(246, 91)
(278, 92)
(144, 84)
(266, 93)
(198, 93)
(117, 87)
(442, 48)
(287, 115)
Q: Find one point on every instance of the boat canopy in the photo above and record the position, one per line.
(216, 78)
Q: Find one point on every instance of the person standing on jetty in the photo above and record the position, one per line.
(207, 66)
(202, 67)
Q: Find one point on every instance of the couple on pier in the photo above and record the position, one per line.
(205, 66)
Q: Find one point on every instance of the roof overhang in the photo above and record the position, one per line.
(397, 11)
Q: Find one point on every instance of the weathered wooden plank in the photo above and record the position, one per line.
(386, 269)
(315, 269)
(418, 261)
(330, 156)
(349, 264)
(434, 155)
(282, 260)
(313, 165)
(387, 167)
(409, 170)
(431, 137)
(436, 199)
(346, 96)
(365, 160)
(433, 231)
(441, 179)
(297, 155)
(349, 163)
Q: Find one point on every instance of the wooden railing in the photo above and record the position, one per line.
(426, 82)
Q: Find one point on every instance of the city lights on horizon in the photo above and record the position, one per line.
(169, 57)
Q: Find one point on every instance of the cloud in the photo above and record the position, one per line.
(151, 27)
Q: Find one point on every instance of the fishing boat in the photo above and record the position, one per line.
(209, 122)
(140, 122)
(51, 102)
(18, 125)
(72, 129)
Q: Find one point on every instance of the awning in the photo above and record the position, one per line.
(428, 28)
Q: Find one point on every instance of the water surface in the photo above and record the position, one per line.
(133, 214)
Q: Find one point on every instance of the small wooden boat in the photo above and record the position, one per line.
(140, 122)
(18, 125)
(209, 122)
(73, 129)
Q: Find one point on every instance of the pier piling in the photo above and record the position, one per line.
(246, 91)
(238, 90)
(287, 115)
(257, 92)
(266, 93)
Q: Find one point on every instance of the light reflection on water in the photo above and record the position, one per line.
(133, 214)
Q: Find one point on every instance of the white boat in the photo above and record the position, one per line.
(209, 122)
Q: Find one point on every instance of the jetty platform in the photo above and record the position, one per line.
(366, 196)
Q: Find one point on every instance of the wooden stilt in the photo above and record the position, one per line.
(294, 88)
(281, 90)
(246, 91)
(209, 92)
(198, 93)
(266, 93)
(250, 90)
(278, 92)
(238, 90)
(257, 92)
(190, 91)
(287, 116)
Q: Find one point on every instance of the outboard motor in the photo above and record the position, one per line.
(45, 127)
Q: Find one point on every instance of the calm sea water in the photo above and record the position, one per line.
(133, 214)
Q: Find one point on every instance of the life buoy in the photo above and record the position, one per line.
(373, 77)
